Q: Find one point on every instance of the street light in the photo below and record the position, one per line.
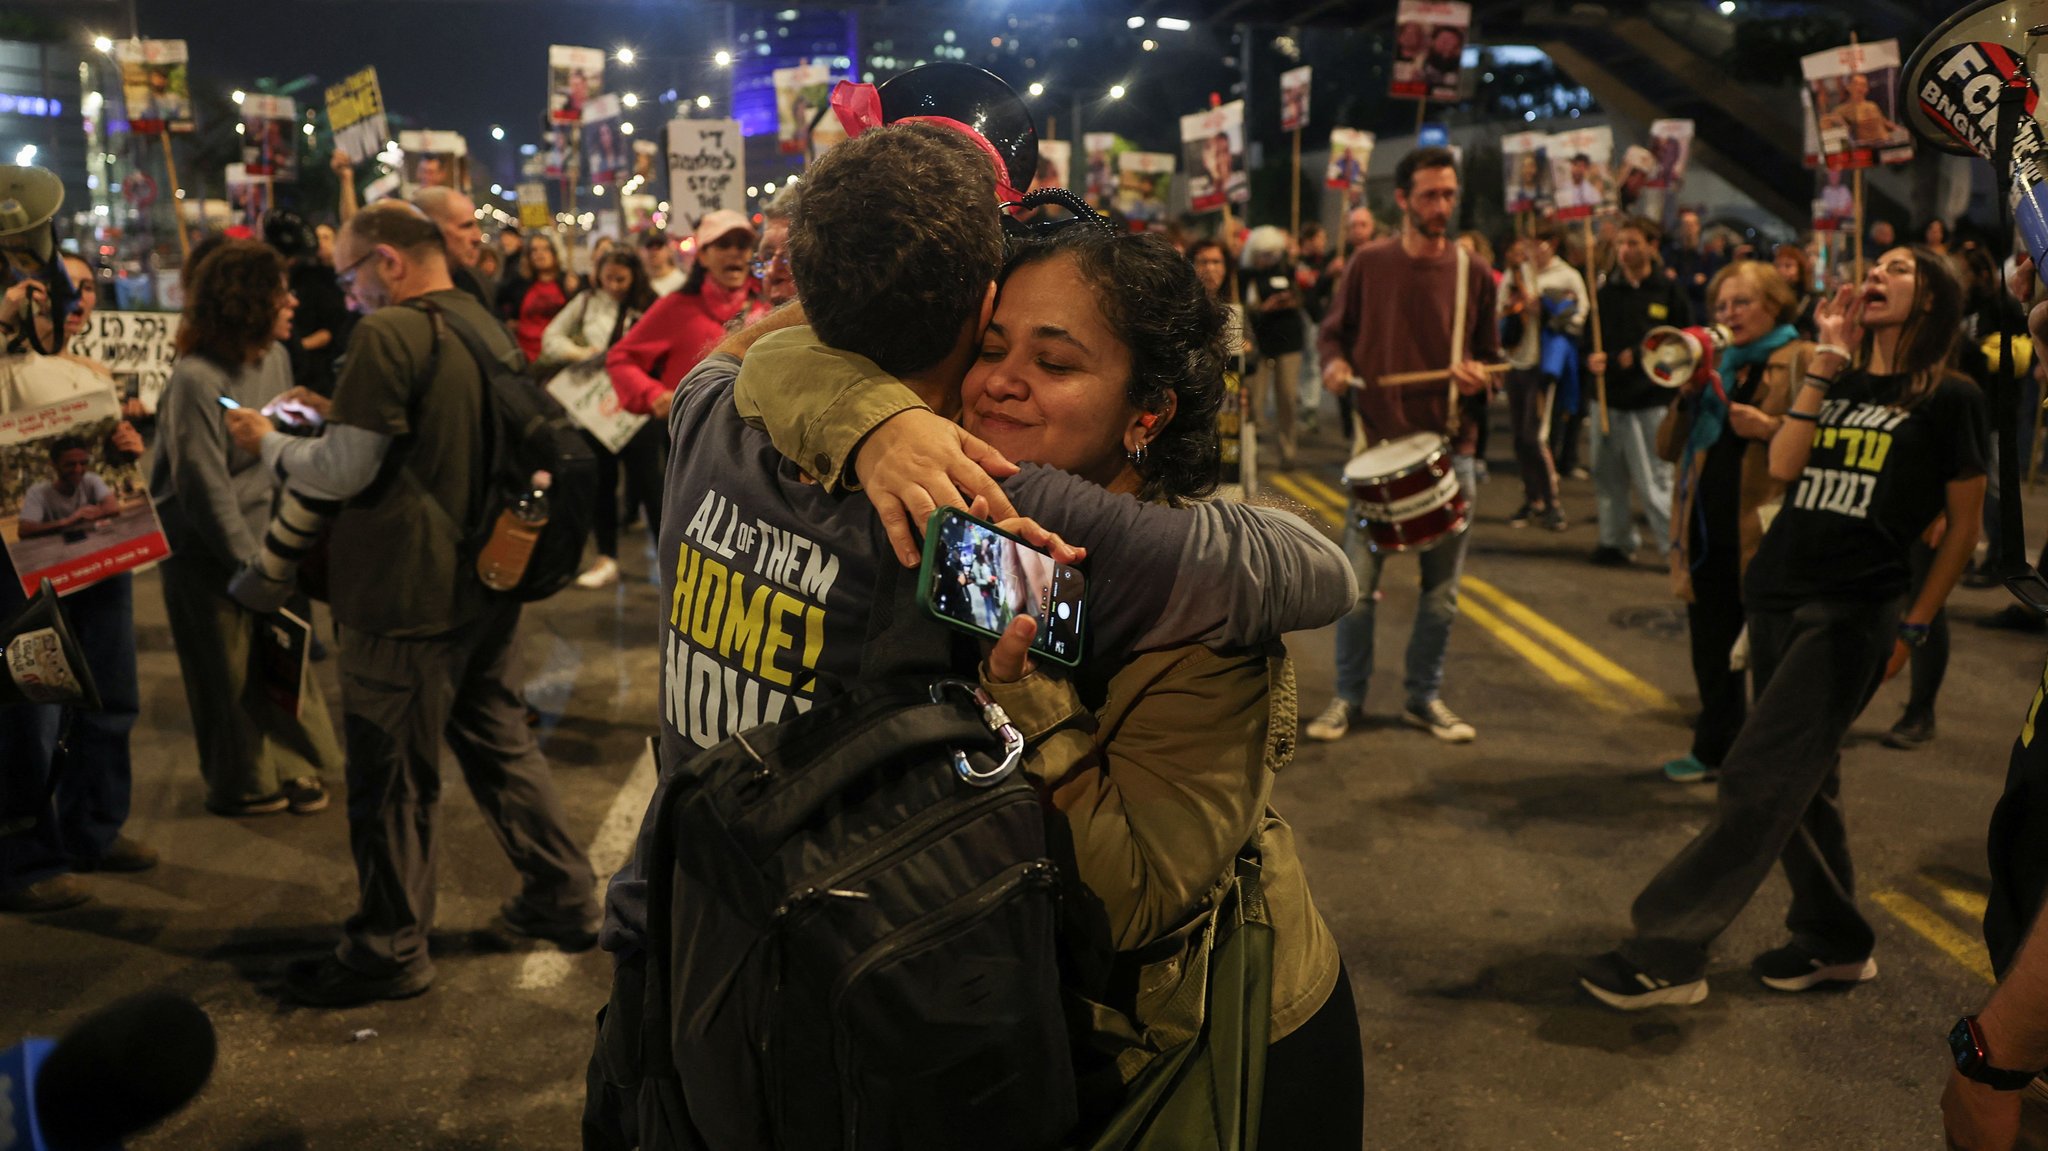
(1116, 91)
(1149, 45)
(102, 44)
(723, 58)
(497, 132)
(1036, 89)
(703, 101)
(1173, 24)
(309, 129)
(630, 100)
(238, 96)
(626, 57)
(625, 127)
(1135, 23)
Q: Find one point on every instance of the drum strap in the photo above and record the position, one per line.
(1459, 298)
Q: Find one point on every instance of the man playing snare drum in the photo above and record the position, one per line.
(1397, 313)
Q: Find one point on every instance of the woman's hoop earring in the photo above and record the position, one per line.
(1136, 455)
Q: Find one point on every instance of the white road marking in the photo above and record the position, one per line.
(609, 850)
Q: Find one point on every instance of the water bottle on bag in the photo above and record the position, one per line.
(502, 562)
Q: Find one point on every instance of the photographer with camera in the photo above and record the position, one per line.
(82, 832)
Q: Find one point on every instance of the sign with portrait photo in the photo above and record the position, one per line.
(434, 160)
(1582, 172)
(1294, 86)
(707, 169)
(1055, 162)
(355, 114)
(607, 150)
(575, 76)
(1350, 159)
(1854, 90)
(1429, 49)
(1212, 148)
(1102, 149)
(800, 94)
(73, 509)
(1144, 185)
(1525, 168)
(1671, 143)
(154, 85)
(270, 136)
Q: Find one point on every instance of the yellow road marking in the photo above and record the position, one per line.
(1968, 902)
(1540, 657)
(1331, 496)
(1333, 512)
(1930, 926)
(1570, 645)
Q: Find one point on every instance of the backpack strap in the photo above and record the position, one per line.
(494, 446)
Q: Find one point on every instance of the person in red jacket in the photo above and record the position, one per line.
(549, 286)
(653, 357)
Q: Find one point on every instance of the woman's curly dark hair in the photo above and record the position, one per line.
(1153, 302)
(235, 295)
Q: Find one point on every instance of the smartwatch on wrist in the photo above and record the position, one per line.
(1966, 1043)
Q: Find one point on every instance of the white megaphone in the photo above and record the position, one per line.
(29, 199)
(40, 660)
(1676, 357)
(1954, 87)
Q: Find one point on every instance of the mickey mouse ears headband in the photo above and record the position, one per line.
(973, 100)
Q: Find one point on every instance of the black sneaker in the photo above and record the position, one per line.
(1608, 557)
(516, 919)
(1522, 516)
(306, 796)
(1555, 521)
(328, 982)
(261, 805)
(2014, 617)
(1796, 967)
(1623, 986)
(1910, 732)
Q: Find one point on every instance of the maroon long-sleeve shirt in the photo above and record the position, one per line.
(1393, 314)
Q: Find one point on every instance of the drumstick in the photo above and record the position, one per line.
(1433, 377)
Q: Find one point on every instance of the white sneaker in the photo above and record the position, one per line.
(1439, 721)
(1333, 723)
(603, 573)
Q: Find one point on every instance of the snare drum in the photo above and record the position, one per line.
(1405, 494)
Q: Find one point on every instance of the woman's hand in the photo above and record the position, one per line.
(1751, 423)
(1009, 659)
(1596, 363)
(1900, 655)
(126, 439)
(916, 462)
(1839, 321)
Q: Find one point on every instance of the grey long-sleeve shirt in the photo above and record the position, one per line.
(211, 495)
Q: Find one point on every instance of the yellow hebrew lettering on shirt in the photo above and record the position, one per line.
(710, 593)
(1851, 440)
(1659, 312)
(2034, 712)
(778, 639)
(1876, 446)
(686, 578)
(744, 622)
(1823, 438)
(814, 644)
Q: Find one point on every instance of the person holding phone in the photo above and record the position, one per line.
(257, 756)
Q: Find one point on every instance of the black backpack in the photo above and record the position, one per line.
(851, 920)
(526, 431)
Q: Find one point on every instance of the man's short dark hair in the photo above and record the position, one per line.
(64, 444)
(1642, 226)
(1418, 160)
(894, 243)
(654, 238)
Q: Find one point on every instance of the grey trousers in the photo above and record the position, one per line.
(400, 699)
(1780, 795)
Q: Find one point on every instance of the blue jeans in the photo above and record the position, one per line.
(1627, 457)
(1441, 566)
(92, 797)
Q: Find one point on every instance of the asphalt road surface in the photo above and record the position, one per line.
(1461, 883)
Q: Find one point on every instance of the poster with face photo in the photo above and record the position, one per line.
(646, 160)
(1582, 172)
(575, 77)
(434, 160)
(1525, 164)
(1102, 149)
(73, 507)
(800, 93)
(1144, 186)
(607, 150)
(1671, 144)
(154, 85)
(1350, 159)
(1055, 164)
(1429, 49)
(1212, 149)
(1294, 86)
(270, 136)
(557, 147)
(1834, 201)
(1854, 90)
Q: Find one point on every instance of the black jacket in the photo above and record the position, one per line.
(1627, 313)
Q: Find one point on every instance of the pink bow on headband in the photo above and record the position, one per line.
(859, 107)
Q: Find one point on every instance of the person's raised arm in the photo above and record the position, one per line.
(1840, 322)
(345, 181)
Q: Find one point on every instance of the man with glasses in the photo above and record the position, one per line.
(771, 254)
(660, 260)
(1398, 311)
(425, 650)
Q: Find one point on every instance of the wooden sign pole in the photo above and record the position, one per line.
(177, 204)
(1296, 215)
(1593, 302)
(1858, 242)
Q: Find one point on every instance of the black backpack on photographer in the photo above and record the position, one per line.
(851, 927)
(527, 432)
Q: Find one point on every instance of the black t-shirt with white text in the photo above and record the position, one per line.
(1878, 476)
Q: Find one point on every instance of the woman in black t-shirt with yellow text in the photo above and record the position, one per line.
(1875, 452)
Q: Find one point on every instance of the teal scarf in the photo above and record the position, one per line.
(1713, 415)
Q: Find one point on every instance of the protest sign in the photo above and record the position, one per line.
(1582, 172)
(154, 85)
(73, 510)
(607, 150)
(1350, 157)
(574, 76)
(1834, 202)
(1101, 150)
(434, 160)
(355, 114)
(1055, 162)
(800, 92)
(270, 136)
(1212, 147)
(533, 206)
(584, 389)
(707, 169)
(1144, 184)
(1429, 49)
(284, 658)
(1294, 85)
(138, 347)
(1671, 143)
(646, 160)
(1855, 105)
(1525, 161)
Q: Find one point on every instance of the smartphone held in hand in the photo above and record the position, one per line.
(978, 577)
